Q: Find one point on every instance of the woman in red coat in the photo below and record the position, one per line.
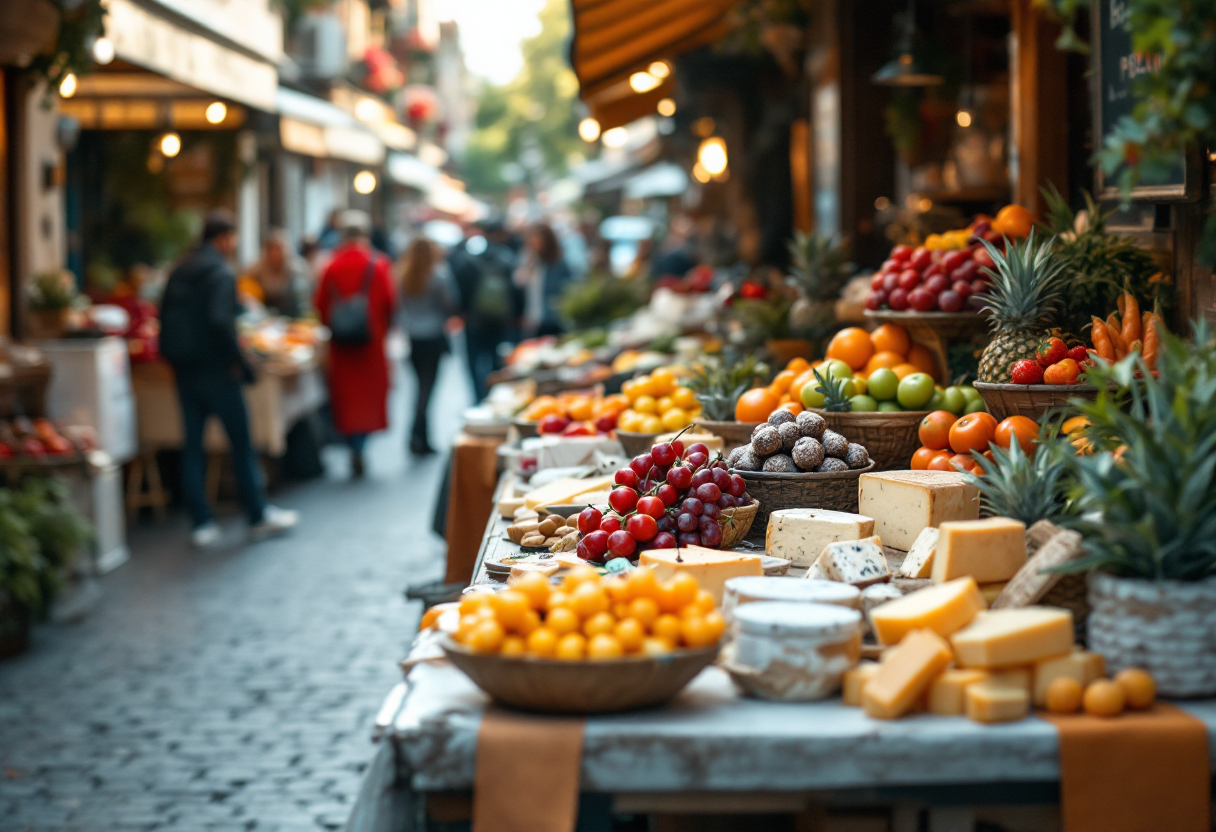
(358, 372)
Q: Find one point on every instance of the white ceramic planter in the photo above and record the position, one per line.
(1167, 628)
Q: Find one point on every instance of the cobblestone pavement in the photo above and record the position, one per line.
(232, 689)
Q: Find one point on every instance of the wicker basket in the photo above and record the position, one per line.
(635, 443)
(837, 492)
(741, 521)
(733, 434)
(1032, 400)
(890, 438)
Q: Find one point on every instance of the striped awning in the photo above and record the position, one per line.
(615, 38)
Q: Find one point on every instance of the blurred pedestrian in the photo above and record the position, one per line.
(198, 338)
(428, 299)
(284, 278)
(678, 253)
(355, 299)
(331, 234)
(482, 268)
(542, 276)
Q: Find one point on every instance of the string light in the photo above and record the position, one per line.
(103, 51)
(659, 69)
(170, 145)
(616, 137)
(643, 82)
(216, 112)
(963, 117)
(588, 129)
(67, 87)
(667, 107)
(711, 155)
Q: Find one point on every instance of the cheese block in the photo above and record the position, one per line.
(904, 502)
(856, 562)
(992, 591)
(817, 572)
(947, 693)
(919, 562)
(1081, 665)
(711, 567)
(507, 506)
(855, 679)
(903, 678)
(875, 596)
(1003, 638)
(564, 491)
(996, 702)
(1015, 677)
(993, 549)
(944, 609)
(593, 498)
(799, 534)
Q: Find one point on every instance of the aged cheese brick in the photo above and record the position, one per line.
(1081, 665)
(856, 562)
(944, 609)
(1014, 677)
(855, 679)
(904, 502)
(564, 491)
(711, 567)
(993, 549)
(992, 591)
(799, 534)
(1006, 638)
(946, 694)
(996, 702)
(903, 678)
(919, 562)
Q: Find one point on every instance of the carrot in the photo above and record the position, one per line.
(1116, 341)
(1131, 320)
(1152, 339)
(1122, 304)
(1101, 339)
(1113, 324)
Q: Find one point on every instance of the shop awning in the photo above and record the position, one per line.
(661, 180)
(313, 126)
(615, 38)
(407, 169)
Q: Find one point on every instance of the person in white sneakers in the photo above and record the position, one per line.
(198, 338)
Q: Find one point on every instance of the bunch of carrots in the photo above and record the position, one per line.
(1128, 330)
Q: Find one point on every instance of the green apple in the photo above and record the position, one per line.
(882, 384)
(975, 407)
(863, 403)
(838, 368)
(970, 394)
(953, 400)
(859, 385)
(811, 395)
(889, 407)
(915, 390)
(938, 402)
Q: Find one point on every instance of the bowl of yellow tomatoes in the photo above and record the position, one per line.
(588, 645)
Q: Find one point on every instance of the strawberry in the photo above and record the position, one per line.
(1062, 372)
(1078, 354)
(1027, 371)
(1051, 351)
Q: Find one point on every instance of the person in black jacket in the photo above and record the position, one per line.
(198, 338)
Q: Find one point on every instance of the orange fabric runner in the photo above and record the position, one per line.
(470, 501)
(1139, 772)
(527, 772)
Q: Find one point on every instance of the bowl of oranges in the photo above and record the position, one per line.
(658, 403)
(588, 645)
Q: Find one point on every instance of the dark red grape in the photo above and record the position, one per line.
(693, 506)
(898, 299)
(699, 448)
(686, 522)
(712, 511)
(664, 540)
(951, 301)
(922, 300)
(901, 253)
(678, 447)
(701, 477)
(722, 479)
(876, 298)
(690, 539)
(708, 493)
(890, 283)
(712, 536)
(737, 485)
(696, 459)
(962, 288)
(589, 519)
(726, 501)
(877, 279)
(667, 523)
(937, 284)
(951, 260)
(921, 258)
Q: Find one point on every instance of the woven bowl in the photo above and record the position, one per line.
(733, 434)
(737, 522)
(1032, 400)
(589, 687)
(635, 443)
(890, 438)
(837, 492)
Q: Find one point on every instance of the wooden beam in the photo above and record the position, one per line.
(1040, 107)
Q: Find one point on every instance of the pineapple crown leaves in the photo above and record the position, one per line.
(718, 385)
(833, 390)
(1148, 507)
(821, 265)
(1024, 487)
(1026, 282)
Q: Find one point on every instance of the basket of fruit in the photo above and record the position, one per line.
(583, 413)
(635, 443)
(582, 648)
(1040, 384)
(657, 402)
(733, 398)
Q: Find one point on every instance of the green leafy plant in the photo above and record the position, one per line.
(833, 390)
(762, 319)
(1027, 488)
(21, 563)
(601, 298)
(719, 382)
(61, 531)
(41, 533)
(1147, 500)
(53, 290)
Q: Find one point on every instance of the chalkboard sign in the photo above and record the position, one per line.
(1116, 66)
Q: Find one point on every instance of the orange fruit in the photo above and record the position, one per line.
(891, 338)
(604, 647)
(642, 583)
(645, 610)
(535, 587)
(630, 633)
(973, 432)
(685, 398)
(702, 630)
(1064, 696)
(1139, 688)
(902, 371)
(1013, 221)
(756, 405)
(964, 462)
(680, 591)
(562, 620)
(941, 462)
(542, 642)
(792, 406)
(571, 647)
(799, 380)
(934, 430)
(589, 599)
(921, 458)
(882, 359)
(1104, 698)
(581, 575)
(486, 637)
(922, 358)
(781, 382)
(798, 364)
(662, 382)
(513, 646)
(1023, 428)
(511, 608)
(704, 602)
(581, 409)
(851, 345)
(474, 602)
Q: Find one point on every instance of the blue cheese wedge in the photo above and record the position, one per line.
(799, 534)
(919, 562)
(856, 562)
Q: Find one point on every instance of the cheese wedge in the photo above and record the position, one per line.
(903, 678)
(919, 562)
(903, 503)
(993, 549)
(711, 567)
(996, 702)
(944, 609)
(564, 491)
(1005, 638)
(715, 443)
(856, 562)
(855, 679)
(799, 534)
(947, 693)
(992, 591)
(1081, 665)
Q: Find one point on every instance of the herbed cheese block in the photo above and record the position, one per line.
(799, 534)
(1081, 665)
(902, 679)
(919, 562)
(996, 702)
(1006, 638)
(993, 549)
(856, 562)
(947, 693)
(855, 679)
(711, 567)
(944, 609)
(564, 491)
(904, 502)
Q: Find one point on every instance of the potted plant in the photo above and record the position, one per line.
(1147, 505)
(21, 570)
(51, 295)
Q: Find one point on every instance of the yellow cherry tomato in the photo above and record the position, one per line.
(542, 642)
(571, 647)
(604, 647)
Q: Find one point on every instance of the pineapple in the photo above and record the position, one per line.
(820, 270)
(1026, 488)
(1022, 298)
(718, 384)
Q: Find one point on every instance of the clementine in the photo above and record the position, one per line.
(891, 338)
(884, 358)
(1023, 428)
(923, 359)
(756, 405)
(851, 345)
